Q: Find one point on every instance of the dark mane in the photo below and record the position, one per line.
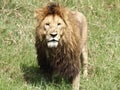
(71, 51)
(53, 8)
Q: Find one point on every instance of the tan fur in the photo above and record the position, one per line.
(69, 28)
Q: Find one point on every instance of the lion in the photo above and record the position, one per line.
(61, 42)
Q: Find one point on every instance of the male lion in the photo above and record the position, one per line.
(61, 42)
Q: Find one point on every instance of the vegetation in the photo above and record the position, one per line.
(18, 66)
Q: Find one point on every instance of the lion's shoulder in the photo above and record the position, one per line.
(76, 16)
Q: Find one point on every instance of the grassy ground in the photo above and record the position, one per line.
(18, 67)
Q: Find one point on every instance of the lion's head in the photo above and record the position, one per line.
(52, 30)
(51, 24)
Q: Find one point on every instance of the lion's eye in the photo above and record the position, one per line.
(59, 24)
(47, 24)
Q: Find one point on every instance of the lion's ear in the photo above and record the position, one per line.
(38, 14)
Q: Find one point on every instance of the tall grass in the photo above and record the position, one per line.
(18, 66)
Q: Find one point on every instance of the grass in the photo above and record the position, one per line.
(18, 66)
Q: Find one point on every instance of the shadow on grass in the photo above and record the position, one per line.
(33, 75)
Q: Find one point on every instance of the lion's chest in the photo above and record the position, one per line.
(65, 64)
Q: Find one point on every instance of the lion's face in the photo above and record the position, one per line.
(53, 30)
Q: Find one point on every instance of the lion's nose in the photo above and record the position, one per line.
(54, 34)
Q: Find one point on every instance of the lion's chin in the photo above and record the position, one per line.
(52, 44)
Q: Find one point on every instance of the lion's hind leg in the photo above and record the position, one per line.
(84, 60)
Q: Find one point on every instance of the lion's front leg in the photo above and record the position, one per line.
(76, 82)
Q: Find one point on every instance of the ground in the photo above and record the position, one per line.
(18, 66)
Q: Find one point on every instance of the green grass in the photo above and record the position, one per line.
(18, 66)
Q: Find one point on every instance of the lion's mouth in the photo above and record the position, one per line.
(52, 43)
(53, 40)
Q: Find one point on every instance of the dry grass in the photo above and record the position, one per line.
(18, 67)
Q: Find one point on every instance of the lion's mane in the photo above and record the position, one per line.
(65, 59)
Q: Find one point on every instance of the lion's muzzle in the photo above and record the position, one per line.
(53, 40)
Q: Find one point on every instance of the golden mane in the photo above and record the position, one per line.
(65, 59)
(50, 9)
(70, 43)
(65, 14)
